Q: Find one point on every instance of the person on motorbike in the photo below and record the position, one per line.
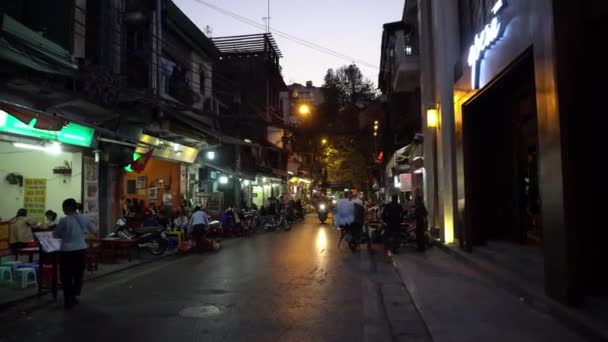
(392, 216)
(345, 216)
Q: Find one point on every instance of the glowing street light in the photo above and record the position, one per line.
(304, 109)
(324, 141)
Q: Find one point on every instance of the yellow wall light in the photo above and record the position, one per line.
(432, 118)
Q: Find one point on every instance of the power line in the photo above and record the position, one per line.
(288, 36)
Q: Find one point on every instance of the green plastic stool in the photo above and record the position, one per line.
(23, 276)
(6, 275)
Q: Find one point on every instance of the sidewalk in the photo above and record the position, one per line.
(10, 296)
(460, 304)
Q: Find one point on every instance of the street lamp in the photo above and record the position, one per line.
(210, 155)
(323, 141)
(304, 109)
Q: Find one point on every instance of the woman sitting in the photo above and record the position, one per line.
(21, 231)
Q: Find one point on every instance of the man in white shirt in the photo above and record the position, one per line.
(198, 224)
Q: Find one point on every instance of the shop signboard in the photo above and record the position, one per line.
(71, 134)
(483, 41)
(91, 190)
(405, 182)
(34, 199)
(4, 238)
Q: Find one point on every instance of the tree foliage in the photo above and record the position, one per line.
(346, 86)
(345, 160)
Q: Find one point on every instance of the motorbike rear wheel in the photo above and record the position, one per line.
(157, 247)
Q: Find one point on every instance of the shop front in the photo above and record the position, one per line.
(163, 179)
(42, 168)
(498, 138)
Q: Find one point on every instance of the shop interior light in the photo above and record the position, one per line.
(223, 180)
(432, 118)
(210, 155)
(53, 148)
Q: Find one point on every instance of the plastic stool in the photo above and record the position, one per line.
(28, 265)
(6, 275)
(23, 276)
(12, 264)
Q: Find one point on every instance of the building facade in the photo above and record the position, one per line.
(503, 81)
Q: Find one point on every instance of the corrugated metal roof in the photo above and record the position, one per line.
(248, 44)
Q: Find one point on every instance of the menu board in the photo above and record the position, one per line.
(34, 199)
(91, 190)
(48, 242)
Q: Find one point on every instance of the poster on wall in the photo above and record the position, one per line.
(183, 179)
(91, 190)
(34, 198)
(4, 239)
(213, 202)
(152, 194)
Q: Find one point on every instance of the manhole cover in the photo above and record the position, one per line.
(203, 311)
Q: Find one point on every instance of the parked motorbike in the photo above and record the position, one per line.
(322, 212)
(280, 221)
(151, 239)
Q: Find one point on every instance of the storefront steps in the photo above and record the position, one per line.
(518, 269)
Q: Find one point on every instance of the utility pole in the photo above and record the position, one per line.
(267, 19)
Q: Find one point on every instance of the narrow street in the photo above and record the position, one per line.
(278, 286)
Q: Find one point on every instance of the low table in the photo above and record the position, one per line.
(30, 252)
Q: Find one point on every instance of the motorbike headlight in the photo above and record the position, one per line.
(322, 207)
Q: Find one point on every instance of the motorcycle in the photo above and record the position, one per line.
(322, 212)
(279, 222)
(152, 239)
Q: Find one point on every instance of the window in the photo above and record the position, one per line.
(202, 81)
(408, 50)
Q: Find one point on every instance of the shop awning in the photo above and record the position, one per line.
(403, 158)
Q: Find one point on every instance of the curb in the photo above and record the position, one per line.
(407, 289)
(539, 303)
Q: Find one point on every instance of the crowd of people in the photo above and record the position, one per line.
(350, 216)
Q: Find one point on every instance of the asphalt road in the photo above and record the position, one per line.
(278, 286)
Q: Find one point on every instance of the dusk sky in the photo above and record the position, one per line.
(350, 27)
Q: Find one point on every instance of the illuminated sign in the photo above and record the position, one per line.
(483, 41)
(72, 134)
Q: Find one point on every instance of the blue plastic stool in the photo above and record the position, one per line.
(28, 264)
(6, 275)
(26, 276)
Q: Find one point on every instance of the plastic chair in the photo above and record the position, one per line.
(6, 275)
(26, 276)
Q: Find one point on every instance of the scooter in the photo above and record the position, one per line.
(322, 212)
(280, 222)
(152, 239)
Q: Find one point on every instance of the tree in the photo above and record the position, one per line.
(346, 86)
(345, 160)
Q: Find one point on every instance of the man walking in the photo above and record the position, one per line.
(392, 216)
